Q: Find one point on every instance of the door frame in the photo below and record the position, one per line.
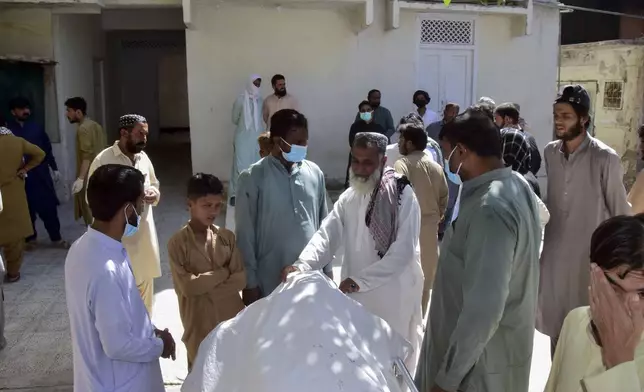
(474, 48)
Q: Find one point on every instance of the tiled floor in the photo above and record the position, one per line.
(38, 356)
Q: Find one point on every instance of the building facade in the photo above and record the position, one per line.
(183, 63)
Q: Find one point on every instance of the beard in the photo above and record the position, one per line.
(571, 133)
(280, 93)
(72, 120)
(364, 186)
(135, 148)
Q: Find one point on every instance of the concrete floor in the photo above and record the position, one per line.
(38, 356)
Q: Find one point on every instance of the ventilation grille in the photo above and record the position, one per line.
(613, 95)
(446, 32)
(150, 44)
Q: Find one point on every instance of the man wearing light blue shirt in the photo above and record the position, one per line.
(116, 348)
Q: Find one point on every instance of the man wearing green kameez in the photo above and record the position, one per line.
(482, 314)
(281, 202)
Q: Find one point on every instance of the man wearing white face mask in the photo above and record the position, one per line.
(247, 117)
(365, 123)
(281, 202)
(482, 313)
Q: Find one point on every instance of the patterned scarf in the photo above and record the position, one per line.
(382, 212)
(5, 131)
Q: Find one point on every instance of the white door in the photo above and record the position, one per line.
(446, 74)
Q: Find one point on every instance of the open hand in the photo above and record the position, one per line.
(619, 320)
(349, 286)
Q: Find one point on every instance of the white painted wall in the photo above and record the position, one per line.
(77, 41)
(329, 69)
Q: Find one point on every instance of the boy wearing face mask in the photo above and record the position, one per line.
(364, 123)
(281, 202)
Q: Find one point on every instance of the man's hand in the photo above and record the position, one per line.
(349, 286)
(619, 321)
(55, 175)
(287, 270)
(22, 173)
(151, 196)
(169, 346)
(436, 388)
(77, 186)
(251, 295)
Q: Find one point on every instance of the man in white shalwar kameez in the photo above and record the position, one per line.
(377, 222)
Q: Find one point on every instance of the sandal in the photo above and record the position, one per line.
(62, 244)
(13, 278)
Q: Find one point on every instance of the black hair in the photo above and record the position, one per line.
(412, 118)
(111, 187)
(640, 131)
(424, 93)
(414, 134)
(201, 185)
(77, 103)
(373, 92)
(475, 130)
(276, 78)
(19, 103)
(619, 241)
(509, 110)
(365, 102)
(453, 105)
(285, 120)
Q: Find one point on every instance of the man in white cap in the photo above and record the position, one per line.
(142, 246)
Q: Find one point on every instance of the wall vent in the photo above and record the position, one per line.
(447, 32)
(613, 95)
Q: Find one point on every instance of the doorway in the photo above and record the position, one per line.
(446, 61)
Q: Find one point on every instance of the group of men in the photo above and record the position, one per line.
(489, 285)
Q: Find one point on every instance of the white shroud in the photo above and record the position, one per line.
(305, 336)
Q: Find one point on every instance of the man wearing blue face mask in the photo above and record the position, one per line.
(364, 123)
(281, 202)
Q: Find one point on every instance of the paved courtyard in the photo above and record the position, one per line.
(38, 356)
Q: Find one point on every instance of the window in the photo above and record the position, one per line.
(613, 95)
(447, 32)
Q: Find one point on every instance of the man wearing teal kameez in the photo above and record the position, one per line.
(281, 201)
(482, 315)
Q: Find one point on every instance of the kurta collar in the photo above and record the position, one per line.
(416, 154)
(117, 152)
(105, 240)
(280, 166)
(583, 146)
(472, 185)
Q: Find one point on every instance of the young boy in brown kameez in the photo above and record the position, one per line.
(207, 268)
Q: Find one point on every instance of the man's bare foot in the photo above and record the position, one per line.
(12, 278)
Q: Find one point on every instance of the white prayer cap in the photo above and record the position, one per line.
(487, 100)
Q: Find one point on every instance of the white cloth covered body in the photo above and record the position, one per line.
(305, 336)
(390, 287)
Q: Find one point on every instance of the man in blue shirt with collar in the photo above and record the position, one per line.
(39, 185)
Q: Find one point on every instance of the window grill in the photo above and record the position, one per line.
(447, 32)
(613, 95)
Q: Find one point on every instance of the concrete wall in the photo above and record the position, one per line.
(77, 42)
(612, 61)
(330, 68)
(26, 32)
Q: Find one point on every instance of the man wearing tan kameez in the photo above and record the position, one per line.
(584, 189)
(90, 141)
(207, 268)
(430, 185)
(277, 101)
(15, 221)
(142, 247)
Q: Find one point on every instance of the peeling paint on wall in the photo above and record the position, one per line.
(612, 61)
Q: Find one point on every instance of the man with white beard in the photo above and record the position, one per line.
(377, 222)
